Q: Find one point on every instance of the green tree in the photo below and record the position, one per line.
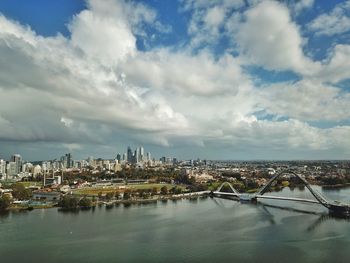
(154, 191)
(5, 202)
(85, 202)
(20, 192)
(109, 196)
(127, 195)
(68, 202)
(164, 190)
(177, 190)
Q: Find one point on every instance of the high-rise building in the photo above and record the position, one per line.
(67, 161)
(2, 167)
(36, 170)
(17, 159)
(11, 168)
(148, 158)
(70, 163)
(142, 154)
(130, 156)
(119, 157)
(137, 155)
(90, 160)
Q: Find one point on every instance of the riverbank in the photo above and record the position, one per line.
(161, 198)
(334, 186)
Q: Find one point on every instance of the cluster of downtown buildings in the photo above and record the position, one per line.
(16, 168)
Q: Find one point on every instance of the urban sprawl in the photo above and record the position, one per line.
(135, 177)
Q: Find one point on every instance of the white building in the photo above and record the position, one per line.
(2, 167)
(37, 170)
(11, 169)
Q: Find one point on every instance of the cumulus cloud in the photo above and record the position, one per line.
(336, 67)
(306, 100)
(97, 87)
(65, 88)
(182, 72)
(335, 22)
(301, 5)
(268, 37)
(208, 19)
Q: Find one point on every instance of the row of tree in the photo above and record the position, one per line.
(5, 202)
(73, 202)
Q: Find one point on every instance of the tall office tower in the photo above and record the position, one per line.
(90, 160)
(129, 155)
(44, 166)
(148, 156)
(2, 167)
(69, 160)
(137, 155)
(16, 158)
(124, 157)
(64, 161)
(11, 168)
(119, 157)
(142, 154)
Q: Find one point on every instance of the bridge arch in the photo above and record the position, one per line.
(230, 185)
(319, 197)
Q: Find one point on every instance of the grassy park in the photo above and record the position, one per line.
(104, 190)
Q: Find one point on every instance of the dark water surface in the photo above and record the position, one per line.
(207, 230)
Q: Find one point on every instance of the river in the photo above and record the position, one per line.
(206, 230)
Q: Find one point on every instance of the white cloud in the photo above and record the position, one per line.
(306, 100)
(214, 16)
(208, 19)
(301, 5)
(90, 31)
(184, 73)
(83, 96)
(96, 87)
(268, 37)
(333, 23)
(337, 66)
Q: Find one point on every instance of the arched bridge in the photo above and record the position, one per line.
(333, 206)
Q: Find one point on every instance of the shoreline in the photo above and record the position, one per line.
(336, 185)
(193, 196)
(161, 198)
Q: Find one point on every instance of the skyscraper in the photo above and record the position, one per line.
(2, 167)
(137, 155)
(69, 160)
(129, 155)
(148, 158)
(17, 159)
(119, 157)
(142, 154)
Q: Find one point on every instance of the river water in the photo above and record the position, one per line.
(206, 230)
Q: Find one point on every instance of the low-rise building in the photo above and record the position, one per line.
(46, 195)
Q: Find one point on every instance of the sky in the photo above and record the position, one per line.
(225, 79)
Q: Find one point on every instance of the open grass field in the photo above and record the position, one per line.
(104, 190)
(28, 184)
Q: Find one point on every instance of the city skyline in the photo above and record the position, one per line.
(231, 80)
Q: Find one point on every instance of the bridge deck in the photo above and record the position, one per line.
(288, 199)
(253, 196)
(333, 206)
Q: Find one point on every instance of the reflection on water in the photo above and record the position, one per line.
(201, 230)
